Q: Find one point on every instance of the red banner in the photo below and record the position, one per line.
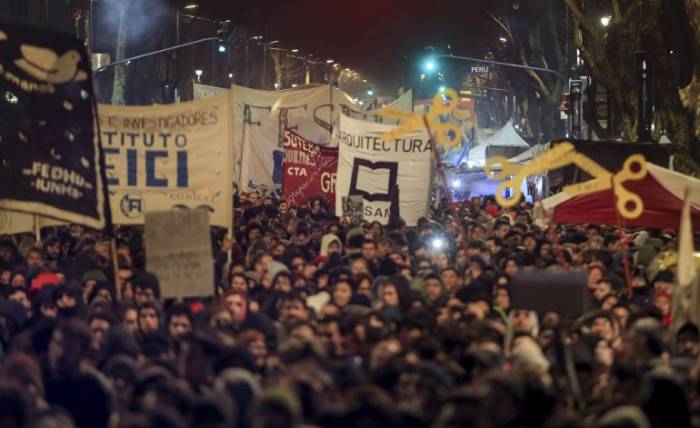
(309, 170)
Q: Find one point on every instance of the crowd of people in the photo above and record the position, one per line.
(314, 321)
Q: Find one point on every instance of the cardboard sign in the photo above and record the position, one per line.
(352, 208)
(564, 293)
(179, 252)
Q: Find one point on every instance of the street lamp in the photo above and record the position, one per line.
(191, 6)
(329, 61)
(370, 92)
(199, 73)
(295, 50)
(605, 21)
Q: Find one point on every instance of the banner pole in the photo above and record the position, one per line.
(330, 114)
(37, 229)
(115, 262)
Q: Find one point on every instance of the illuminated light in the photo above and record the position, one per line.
(361, 103)
(370, 92)
(222, 48)
(277, 85)
(198, 72)
(442, 89)
(230, 75)
(605, 21)
(456, 184)
(502, 39)
(273, 42)
(191, 6)
(295, 50)
(430, 66)
(294, 85)
(11, 98)
(329, 61)
(437, 243)
(364, 80)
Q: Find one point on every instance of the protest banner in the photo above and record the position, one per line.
(200, 91)
(309, 170)
(352, 208)
(371, 167)
(50, 156)
(179, 252)
(261, 118)
(169, 157)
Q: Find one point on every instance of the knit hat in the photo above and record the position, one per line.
(42, 280)
(275, 267)
(93, 275)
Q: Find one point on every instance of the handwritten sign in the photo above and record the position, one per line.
(178, 251)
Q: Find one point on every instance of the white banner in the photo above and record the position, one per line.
(260, 119)
(200, 91)
(165, 157)
(370, 166)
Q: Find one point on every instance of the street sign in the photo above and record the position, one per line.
(481, 68)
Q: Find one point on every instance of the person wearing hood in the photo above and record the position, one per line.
(434, 293)
(69, 300)
(330, 244)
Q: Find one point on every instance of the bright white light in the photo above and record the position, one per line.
(605, 21)
(295, 50)
(430, 66)
(230, 75)
(277, 85)
(222, 48)
(294, 85)
(11, 98)
(437, 243)
(502, 39)
(364, 80)
(456, 184)
(273, 42)
(361, 103)
(442, 89)
(199, 72)
(370, 92)
(329, 61)
(191, 6)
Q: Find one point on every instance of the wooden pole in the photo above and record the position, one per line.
(115, 262)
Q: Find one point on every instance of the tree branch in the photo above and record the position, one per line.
(581, 17)
(503, 26)
(617, 12)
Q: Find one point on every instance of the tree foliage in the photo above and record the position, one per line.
(666, 31)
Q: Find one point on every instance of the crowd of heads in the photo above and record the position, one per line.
(315, 321)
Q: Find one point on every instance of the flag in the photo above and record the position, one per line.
(686, 296)
(51, 161)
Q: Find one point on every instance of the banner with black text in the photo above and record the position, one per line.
(371, 167)
(261, 118)
(168, 157)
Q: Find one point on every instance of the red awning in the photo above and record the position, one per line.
(659, 191)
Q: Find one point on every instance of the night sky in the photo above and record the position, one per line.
(382, 39)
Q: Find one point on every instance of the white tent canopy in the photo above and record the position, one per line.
(505, 137)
